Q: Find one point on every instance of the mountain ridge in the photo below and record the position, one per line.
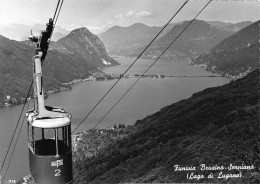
(237, 26)
(61, 66)
(20, 32)
(122, 40)
(127, 40)
(199, 37)
(234, 56)
(87, 45)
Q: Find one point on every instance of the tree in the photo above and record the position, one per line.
(253, 159)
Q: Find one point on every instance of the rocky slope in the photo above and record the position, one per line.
(218, 127)
(75, 56)
(236, 55)
(87, 46)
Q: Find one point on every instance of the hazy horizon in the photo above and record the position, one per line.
(63, 30)
(98, 15)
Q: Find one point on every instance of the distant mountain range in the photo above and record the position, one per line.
(198, 38)
(75, 56)
(217, 127)
(236, 55)
(232, 27)
(55, 37)
(81, 52)
(117, 39)
(20, 32)
(219, 24)
(128, 40)
(123, 40)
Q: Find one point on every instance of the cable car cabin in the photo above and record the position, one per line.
(49, 128)
(50, 155)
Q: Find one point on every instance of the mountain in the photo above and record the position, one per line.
(123, 39)
(15, 31)
(126, 40)
(237, 26)
(15, 73)
(217, 127)
(232, 27)
(75, 56)
(20, 32)
(98, 30)
(88, 46)
(236, 55)
(199, 37)
(56, 36)
(219, 24)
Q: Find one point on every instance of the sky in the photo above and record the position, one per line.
(100, 14)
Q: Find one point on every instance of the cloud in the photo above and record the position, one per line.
(133, 15)
(130, 14)
(144, 14)
(119, 16)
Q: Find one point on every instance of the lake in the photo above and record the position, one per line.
(147, 97)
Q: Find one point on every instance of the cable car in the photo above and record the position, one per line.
(49, 128)
(49, 143)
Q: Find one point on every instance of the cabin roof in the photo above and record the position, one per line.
(50, 122)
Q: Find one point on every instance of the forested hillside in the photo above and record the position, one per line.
(217, 127)
(75, 56)
(236, 55)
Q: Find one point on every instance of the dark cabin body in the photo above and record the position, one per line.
(50, 152)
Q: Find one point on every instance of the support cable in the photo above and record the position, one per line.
(16, 126)
(55, 21)
(150, 66)
(58, 8)
(27, 96)
(121, 76)
(15, 145)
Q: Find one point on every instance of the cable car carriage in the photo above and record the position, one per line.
(49, 143)
(49, 128)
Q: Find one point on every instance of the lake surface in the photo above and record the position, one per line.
(147, 97)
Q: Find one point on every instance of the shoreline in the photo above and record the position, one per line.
(101, 76)
(81, 80)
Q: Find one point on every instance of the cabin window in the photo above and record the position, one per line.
(51, 141)
(44, 141)
(30, 137)
(64, 139)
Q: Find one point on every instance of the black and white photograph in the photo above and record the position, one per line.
(129, 91)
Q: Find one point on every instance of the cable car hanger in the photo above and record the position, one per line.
(49, 128)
